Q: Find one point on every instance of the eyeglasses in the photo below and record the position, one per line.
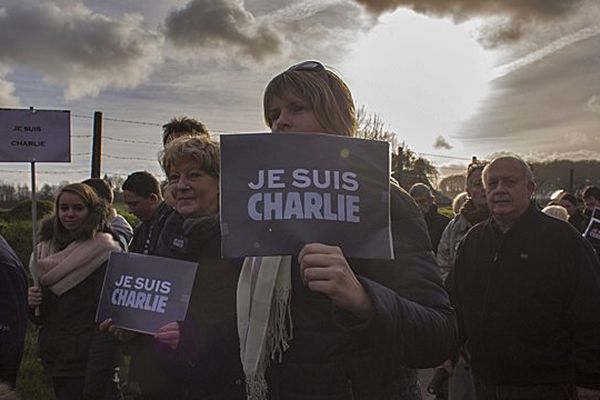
(307, 66)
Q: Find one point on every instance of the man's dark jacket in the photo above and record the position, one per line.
(528, 303)
(436, 223)
(579, 220)
(13, 312)
(145, 235)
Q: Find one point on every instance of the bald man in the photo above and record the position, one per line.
(525, 286)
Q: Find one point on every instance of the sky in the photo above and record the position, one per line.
(452, 78)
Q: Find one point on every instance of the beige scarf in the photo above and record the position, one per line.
(264, 317)
(65, 269)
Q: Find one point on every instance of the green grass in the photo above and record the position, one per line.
(32, 384)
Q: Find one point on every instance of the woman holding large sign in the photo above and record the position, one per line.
(75, 243)
(354, 323)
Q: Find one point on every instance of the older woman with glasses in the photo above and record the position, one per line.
(355, 324)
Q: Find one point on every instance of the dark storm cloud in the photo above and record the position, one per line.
(442, 143)
(218, 23)
(68, 44)
(549, 105)
(512, 18)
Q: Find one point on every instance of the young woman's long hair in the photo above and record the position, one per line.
(97, 220)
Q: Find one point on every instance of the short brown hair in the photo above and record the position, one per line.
(183, 125)
(326, 93)
(202, 149)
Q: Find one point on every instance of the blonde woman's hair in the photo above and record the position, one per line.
(459, 201)
(201, 149)
(325, 92)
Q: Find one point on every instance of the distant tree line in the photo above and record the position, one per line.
(572, 176)
(11, 193)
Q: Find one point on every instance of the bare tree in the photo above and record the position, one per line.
(370, 126)
(414, 167)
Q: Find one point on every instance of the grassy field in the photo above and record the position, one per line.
(31, 382)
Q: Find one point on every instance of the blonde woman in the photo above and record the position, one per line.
(355, 324)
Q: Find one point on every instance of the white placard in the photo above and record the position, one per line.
(35, 135)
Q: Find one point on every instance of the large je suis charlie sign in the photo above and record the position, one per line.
(281, 191)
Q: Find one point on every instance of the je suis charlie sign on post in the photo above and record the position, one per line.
(143, 293)
(35, 135)
(281, 191)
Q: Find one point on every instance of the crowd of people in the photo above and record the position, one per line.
(503, 298)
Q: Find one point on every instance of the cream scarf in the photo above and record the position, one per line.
(65, 269)
(264, 317)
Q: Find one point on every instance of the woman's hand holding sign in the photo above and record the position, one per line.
(169, 335)
(325, 270)
(123, 335)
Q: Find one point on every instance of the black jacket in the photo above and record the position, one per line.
(13, 312)
(68, 326)
(145, 235)
(206, 364)
(528, 302)
(436, 223)
(333, 355)
(579, 221)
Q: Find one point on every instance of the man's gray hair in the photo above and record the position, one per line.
(420, 190)
(527, 172)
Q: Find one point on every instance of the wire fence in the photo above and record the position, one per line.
(110, 155)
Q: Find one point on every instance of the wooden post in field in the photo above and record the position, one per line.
(571, 182)
(97, 145)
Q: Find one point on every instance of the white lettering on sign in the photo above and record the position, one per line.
(328, 204)
(144, 297)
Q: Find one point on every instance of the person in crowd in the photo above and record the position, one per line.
(178, 127)
(142, 194)
(13, 313)
(436, 222)
(75, 243)
(458, 201)
(472, 212)
(525, 287)
(475, 210)
(557, 211)
(355, 323)
(182, 126)
(119, 224)
(576, 217)
(196, 358)
(591, 198)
